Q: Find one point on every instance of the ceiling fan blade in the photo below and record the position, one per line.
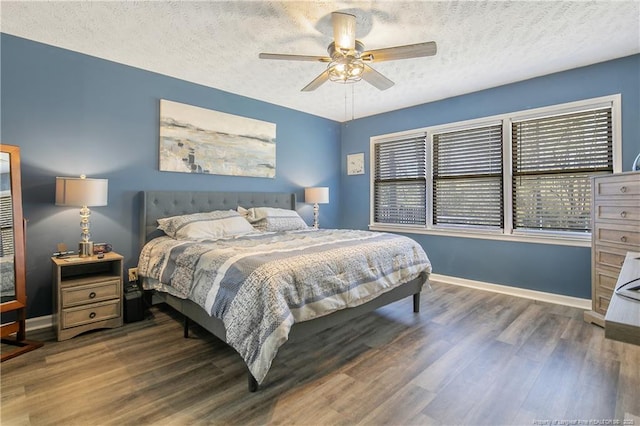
(408, 51)
(344, 30)
(317, 82)
(376, 79)
(294, 57)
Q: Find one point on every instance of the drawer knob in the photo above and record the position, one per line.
(623, 214)
(92, 295)
(623, 189)
(92, 315)
(623, 239)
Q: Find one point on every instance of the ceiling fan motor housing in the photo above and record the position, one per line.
(355, 53)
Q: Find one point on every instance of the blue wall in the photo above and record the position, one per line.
(72, 114)
(551, 268)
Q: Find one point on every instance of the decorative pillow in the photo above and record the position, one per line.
(205, 226)
(243, 212)
(273, 219)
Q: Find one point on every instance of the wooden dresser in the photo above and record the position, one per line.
(615, 225)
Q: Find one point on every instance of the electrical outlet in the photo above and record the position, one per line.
(133, 274)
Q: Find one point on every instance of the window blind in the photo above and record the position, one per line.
(400, 181)
(554, 159)
(467, 177)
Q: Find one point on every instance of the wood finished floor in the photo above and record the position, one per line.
(470, 357)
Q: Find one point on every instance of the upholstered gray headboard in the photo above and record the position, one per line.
(159, 204)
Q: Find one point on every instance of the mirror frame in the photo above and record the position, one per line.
(20, 300)
(19, 304)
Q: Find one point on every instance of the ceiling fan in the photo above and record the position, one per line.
(348, 61)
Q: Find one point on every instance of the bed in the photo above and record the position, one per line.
(165, 259)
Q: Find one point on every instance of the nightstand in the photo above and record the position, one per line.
(87, 294)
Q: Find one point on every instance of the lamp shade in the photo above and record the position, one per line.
(80, 192)
(316, 195)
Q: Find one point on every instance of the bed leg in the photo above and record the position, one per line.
(186, 327)
(416, 302)
(253, 383)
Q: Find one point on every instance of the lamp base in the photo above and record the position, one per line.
(85, 248)
(316, 214)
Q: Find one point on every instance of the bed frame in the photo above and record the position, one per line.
(159, 204)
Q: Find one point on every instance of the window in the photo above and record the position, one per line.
(523, 175)
(554, 159)
(467, 177)
(401, 181)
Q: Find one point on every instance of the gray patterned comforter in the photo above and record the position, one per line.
(260, 284)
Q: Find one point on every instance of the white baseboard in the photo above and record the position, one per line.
(39, 323)
(557, 299)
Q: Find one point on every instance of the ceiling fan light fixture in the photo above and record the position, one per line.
(347, 70)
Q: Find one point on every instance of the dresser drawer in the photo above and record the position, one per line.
(601, 302)
(617, 212)
(626, 236)
(616, 186)
(72, 317)
(604, 284)
(609, 256)
(90, 293)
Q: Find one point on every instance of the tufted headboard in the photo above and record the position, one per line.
(159, 204)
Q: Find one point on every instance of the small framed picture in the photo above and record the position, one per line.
(355, 164)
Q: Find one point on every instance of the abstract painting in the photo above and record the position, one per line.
(199, 140)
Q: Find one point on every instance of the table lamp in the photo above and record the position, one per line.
(316, 195)
(82, 192)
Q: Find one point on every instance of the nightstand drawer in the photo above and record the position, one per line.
(97, 292)
(73, 317)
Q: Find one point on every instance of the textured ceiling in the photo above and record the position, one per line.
(481, 44)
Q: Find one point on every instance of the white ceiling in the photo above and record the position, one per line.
(481, 44)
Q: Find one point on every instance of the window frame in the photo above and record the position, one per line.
(507, 233)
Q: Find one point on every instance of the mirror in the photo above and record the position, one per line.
(13, 295)
(7, 270)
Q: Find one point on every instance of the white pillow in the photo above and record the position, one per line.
(273, 219)
(205, 226)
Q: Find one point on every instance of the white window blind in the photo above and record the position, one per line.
(553, 161)
(400, 181)
(467, 177)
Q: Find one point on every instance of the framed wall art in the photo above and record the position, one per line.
(200, 140)
(355, 164)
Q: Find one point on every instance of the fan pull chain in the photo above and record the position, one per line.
(346, 118)
(353, 100)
